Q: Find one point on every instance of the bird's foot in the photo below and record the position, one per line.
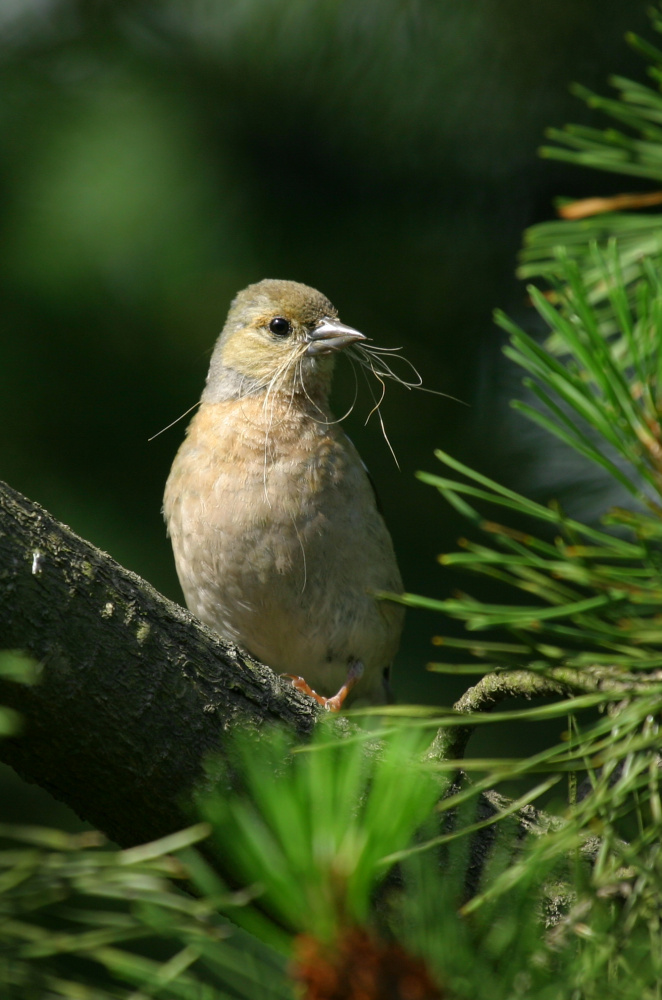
(354, 675)
(334, 704)
(302, 685)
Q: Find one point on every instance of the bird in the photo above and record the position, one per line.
(278, 540)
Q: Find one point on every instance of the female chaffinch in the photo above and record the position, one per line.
(278, 542)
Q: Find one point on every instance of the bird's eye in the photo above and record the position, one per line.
(280, 326)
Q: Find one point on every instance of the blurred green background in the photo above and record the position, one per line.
(155, 157)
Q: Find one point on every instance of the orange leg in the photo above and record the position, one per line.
(334, 704)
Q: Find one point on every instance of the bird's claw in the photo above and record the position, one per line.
(333, 704)
(302, 685)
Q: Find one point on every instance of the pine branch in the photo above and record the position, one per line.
(632, 149)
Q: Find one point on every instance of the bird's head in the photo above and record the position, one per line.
(280, 336)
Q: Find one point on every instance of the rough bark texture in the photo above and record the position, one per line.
(134, 693)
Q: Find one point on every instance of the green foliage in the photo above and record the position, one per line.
(315, 830)
(584, 625)
(312, 834)
(316, 837)
(597, 386)
(311, 829)
(597, 592)
(78, 921)
(634, 150)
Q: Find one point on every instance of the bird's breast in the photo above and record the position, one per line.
(252, 463)
(277, 538)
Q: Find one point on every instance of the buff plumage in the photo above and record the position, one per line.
(278, 542)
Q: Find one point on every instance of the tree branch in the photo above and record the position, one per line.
(134, 693)
(450, 742)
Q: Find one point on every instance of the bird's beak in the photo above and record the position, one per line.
(331, 335)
